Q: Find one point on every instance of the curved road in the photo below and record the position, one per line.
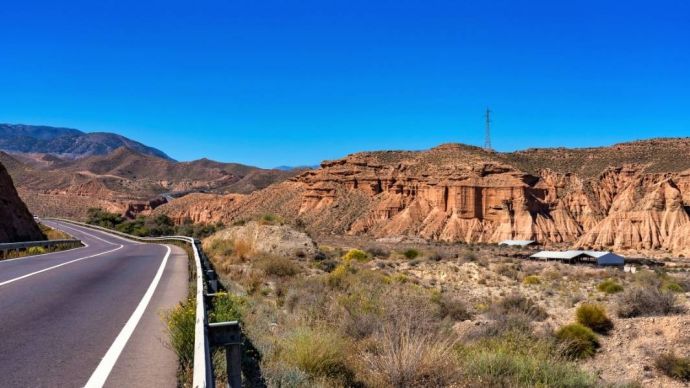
(90, 316)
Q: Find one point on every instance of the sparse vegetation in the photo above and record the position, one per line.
(180, 324)
(411, 254)
(531, 280)
(647, 301)
(674, 366)
(277, 266)
(594, 316)
(160, 225)
(609, 286)
(355, 254)
(577, 340)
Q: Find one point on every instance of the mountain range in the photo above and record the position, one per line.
(66, 142)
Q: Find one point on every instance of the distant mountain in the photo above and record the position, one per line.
(67, 142)
(293, 168)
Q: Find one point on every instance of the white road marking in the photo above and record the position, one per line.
(100, 231)
(100, 375)
(89, 234)
(58, 266)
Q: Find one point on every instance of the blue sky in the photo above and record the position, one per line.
(294, 82)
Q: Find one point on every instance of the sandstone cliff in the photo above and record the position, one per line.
(632, 196)
(16, 223)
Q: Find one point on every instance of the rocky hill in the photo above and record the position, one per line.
(629, 197)
(66, 142)
(16, 223)
(124, 181)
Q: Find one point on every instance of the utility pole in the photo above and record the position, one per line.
(487, 135)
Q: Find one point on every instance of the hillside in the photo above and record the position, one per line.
(124, 180)
(66, 142)
(16, 223)
(629, 197)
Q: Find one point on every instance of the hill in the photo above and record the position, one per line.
(124, 180)
(631, 196)
(66, 142)
(16, 223)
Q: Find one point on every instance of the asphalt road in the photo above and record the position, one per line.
(90, 316)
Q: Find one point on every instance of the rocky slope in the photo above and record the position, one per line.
(628, 197)
(16, 223)
(124, 181)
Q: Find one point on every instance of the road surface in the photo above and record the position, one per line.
(90, 316)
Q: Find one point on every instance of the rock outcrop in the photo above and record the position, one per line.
(16, 223)
(637, 201)
(278, 240)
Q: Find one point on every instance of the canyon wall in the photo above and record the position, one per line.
(16, 223)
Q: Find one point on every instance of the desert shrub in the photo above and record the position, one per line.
(401, 357)
(674, 366)
(36, 250)
(180, 323)
(227, 307)
(220, 248)
(452, 307)
(271, 219)
(518, 359)
(277, 266)
(97, 216)
(502, 324)
(507, 270)
(578, 341)
(672, 287)
(518, 304)
(317, 352)
(411, 254)
(647, 301)
(242, 249)
(356, 254)
(531, 280)
(377, 251)
(337, 276)
(327, 265)
(594, 316)
(609, 286)
(469, 256)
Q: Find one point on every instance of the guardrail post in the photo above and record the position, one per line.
(229, 335)
(212, 280)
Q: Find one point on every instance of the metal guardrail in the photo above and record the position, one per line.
(203, 368)
(6, 247)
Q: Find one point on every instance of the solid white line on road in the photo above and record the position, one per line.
(58, 266)
(88, 234)
(45, 254)
(100, 375)
(100, 231)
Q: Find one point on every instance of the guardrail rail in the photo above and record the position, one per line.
(15, 246)
(203, 368)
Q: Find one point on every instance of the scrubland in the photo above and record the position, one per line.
(401, 315)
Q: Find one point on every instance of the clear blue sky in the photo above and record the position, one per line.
(295, 82)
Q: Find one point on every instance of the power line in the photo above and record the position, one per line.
(487, 134)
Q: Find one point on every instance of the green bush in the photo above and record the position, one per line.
(319, 353)
(36, 251)
(609, 286)
(673, 287)
(411, 254)
(180, 324)
(227, 307)
(578, 341)
(531, 280)
(674, 366)
(517, 359)
(594, 316)
(356, 254)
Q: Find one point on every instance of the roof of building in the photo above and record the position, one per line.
(571, 254)
(521, 243)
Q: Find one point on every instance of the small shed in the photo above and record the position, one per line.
(517, 243)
